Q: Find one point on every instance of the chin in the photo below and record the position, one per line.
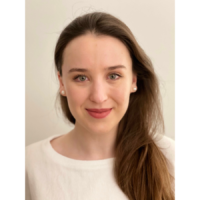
(101, 129)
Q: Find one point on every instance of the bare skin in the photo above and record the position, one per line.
(67, 146)
(93, 139)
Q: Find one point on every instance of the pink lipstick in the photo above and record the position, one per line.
(99, 113)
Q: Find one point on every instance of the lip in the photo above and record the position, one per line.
(99, 115)
(99, 110)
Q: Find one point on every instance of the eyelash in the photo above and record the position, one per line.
(85, 76)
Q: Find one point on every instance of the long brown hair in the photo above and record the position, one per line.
(140, 167)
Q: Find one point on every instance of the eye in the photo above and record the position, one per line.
(114, 75)
(82, 78)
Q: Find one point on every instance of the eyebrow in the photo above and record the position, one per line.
(86, 70)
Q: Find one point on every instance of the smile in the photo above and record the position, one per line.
(99, 115)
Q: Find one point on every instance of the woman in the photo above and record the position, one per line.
(109, 91)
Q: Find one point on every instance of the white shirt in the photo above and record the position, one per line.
(52, 176)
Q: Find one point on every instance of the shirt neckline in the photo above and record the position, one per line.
(78, 164)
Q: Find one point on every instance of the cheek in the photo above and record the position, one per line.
(75, 97)
(122, 91)
(121, 95)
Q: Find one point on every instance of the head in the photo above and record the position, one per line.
(96, 42)
(111, 64)
(107, 82)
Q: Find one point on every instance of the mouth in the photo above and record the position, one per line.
(99, 113)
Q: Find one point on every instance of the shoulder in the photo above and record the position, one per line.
(35, 153)
(167, 146)
(33, 148)
(38, 153)
(165, 142)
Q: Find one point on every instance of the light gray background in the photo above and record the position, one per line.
(151, 21)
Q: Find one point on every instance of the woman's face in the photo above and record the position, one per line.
(95, 85)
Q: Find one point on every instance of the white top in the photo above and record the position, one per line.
(52, 176)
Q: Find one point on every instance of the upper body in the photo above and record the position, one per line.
(52, 176)
(109, 90)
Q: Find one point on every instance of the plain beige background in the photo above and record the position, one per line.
(151, 21)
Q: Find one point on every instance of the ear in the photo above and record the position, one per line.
(62, 89)
(134, 83)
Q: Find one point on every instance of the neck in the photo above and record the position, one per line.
(92, 146)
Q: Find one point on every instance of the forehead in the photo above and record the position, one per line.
(90, 50)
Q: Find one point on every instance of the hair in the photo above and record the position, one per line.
(140, 168)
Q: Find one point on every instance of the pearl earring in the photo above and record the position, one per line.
(63, 92)
(135, 88)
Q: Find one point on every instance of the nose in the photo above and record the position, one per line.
(98, 92)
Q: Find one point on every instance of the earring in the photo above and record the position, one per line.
(63, 92)
(135, 88)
